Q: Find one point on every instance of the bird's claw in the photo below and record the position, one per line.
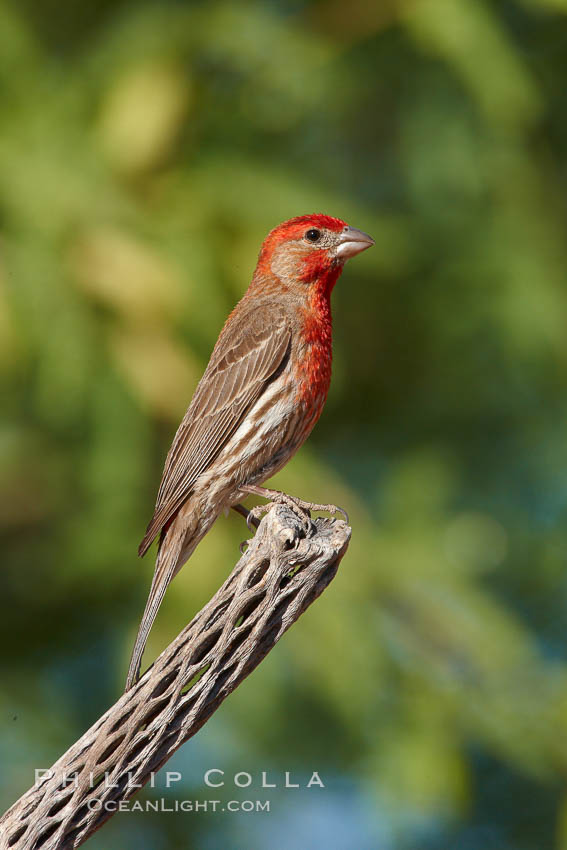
(283, 499)
(312, 506)
(301, 508)
(255, 513)
(335, 509)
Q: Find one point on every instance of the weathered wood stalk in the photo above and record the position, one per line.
(282, 572)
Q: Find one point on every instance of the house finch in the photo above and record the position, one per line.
(261, 394)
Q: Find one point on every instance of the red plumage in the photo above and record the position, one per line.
(260, 396)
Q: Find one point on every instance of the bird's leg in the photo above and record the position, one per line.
(240, 509)
(298, 506)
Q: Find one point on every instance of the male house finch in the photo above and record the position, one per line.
(261, 394)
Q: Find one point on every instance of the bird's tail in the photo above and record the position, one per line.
(168, 563)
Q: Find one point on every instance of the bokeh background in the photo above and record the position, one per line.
(145, 150)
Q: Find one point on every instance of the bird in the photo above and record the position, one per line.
(258, 400)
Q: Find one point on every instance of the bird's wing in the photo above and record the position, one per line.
(250, 350)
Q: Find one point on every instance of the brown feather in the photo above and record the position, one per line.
(250, 351)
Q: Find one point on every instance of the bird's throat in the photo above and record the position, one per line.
(317, 332)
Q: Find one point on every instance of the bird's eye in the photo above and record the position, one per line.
(313, 235)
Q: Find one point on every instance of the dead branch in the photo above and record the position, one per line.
(275, 581)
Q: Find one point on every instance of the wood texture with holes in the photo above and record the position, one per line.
(279, 576)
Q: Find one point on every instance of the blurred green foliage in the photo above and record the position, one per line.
(145, 150)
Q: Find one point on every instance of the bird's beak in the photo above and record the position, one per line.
(352, 242)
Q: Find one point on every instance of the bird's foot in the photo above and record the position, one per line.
(301, 508)
(240, 509)
(258, 511)
(251, 522)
